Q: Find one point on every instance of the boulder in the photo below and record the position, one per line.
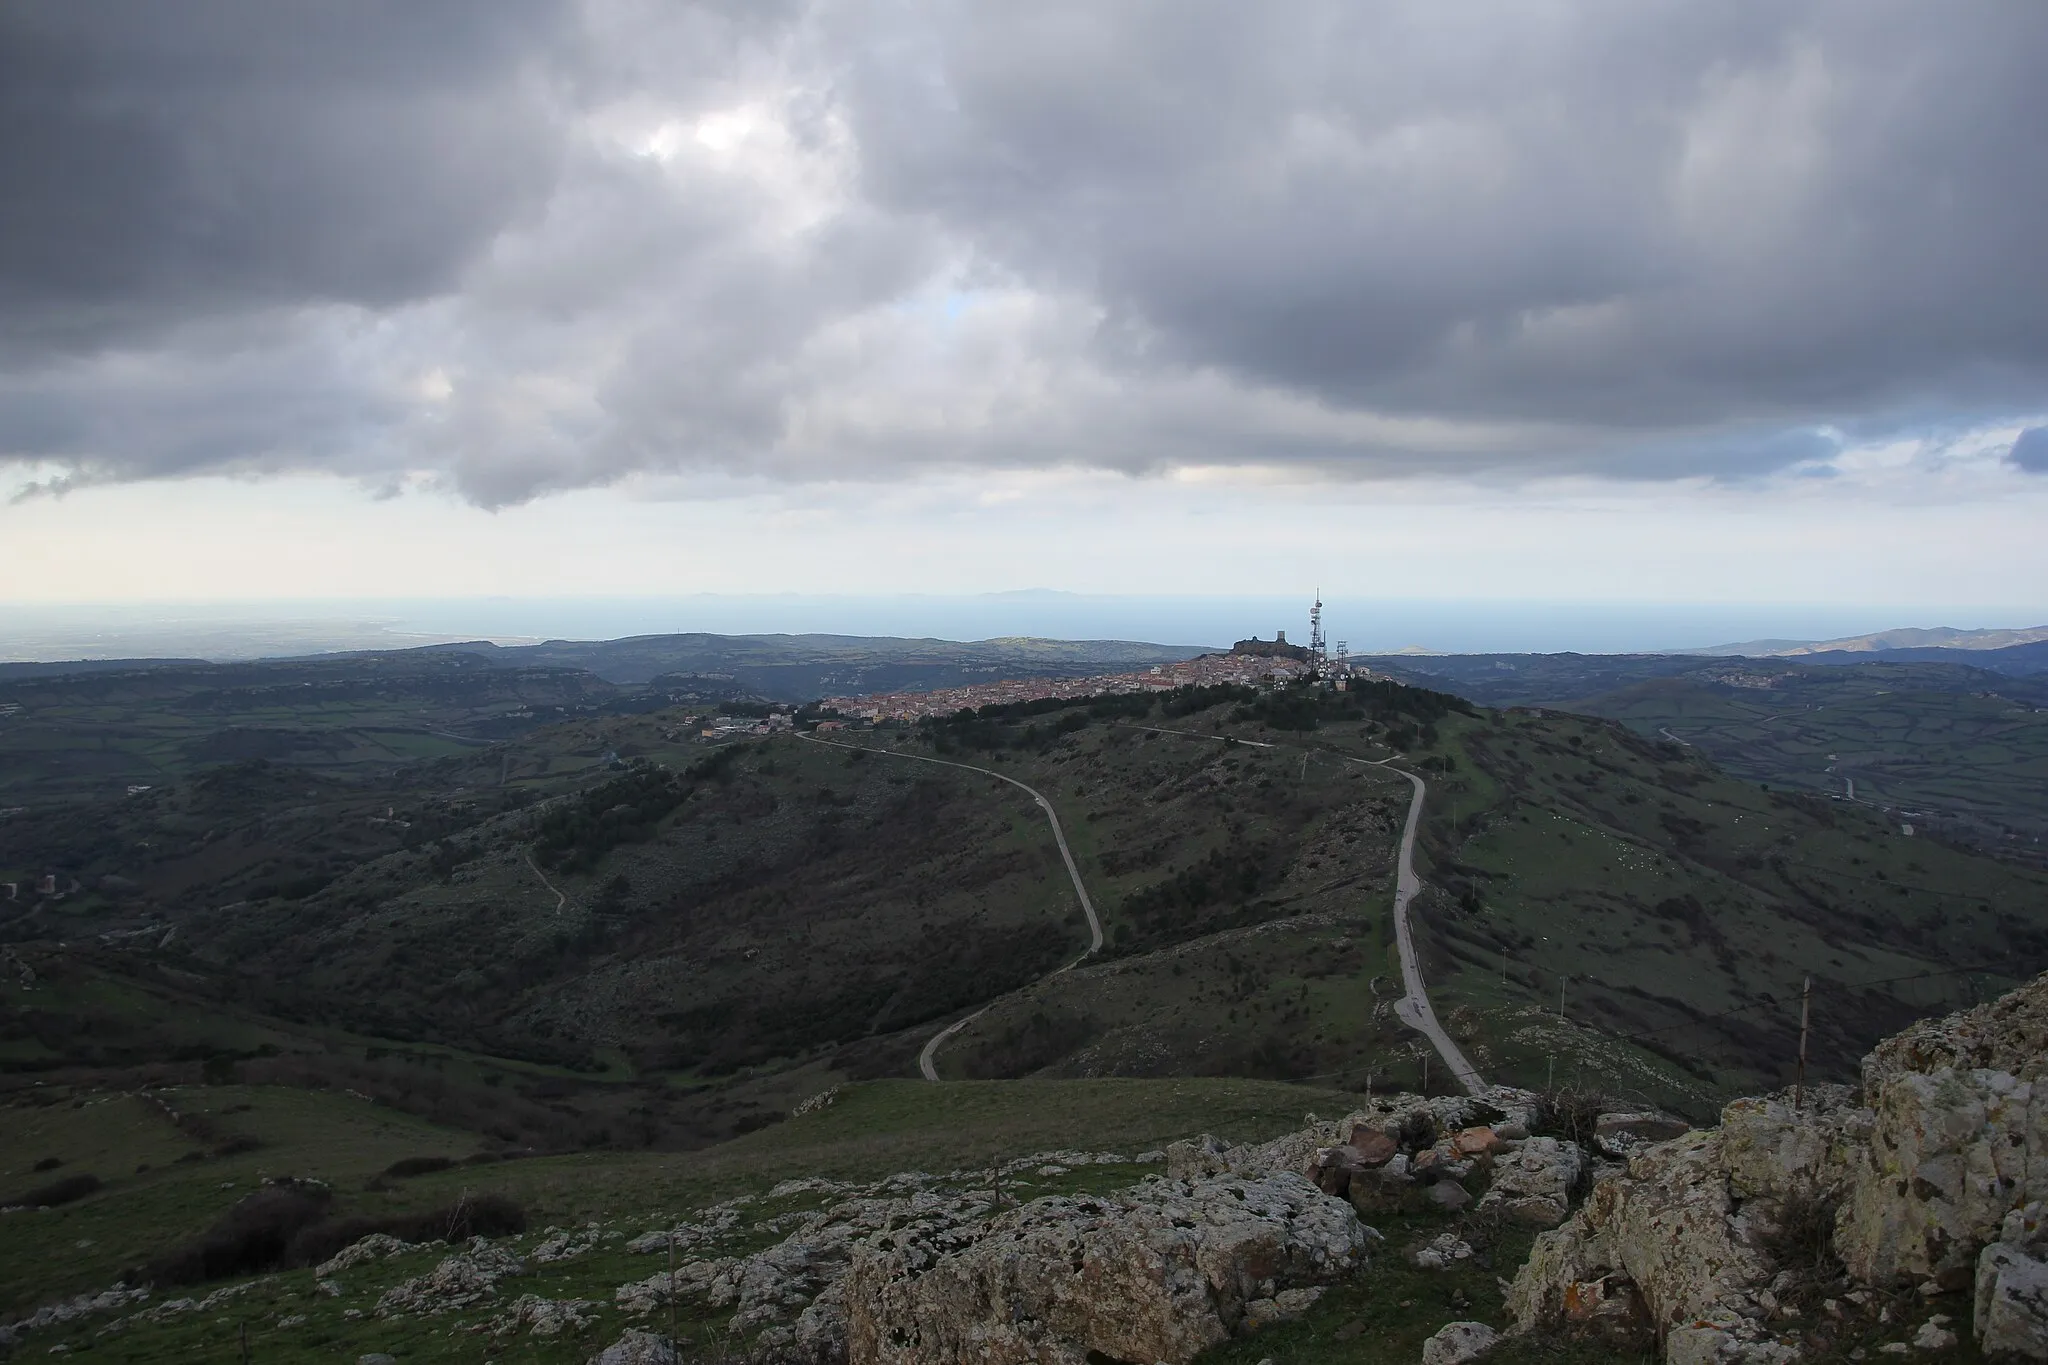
(1331, 1169)
(1158, 1273)
(1372, 1148)
(1457, 1342)
(1535, 1182)
(457, 1282)
(2012, 1289)
(1666, 1226)
(1449, 1194)
(1476, 1141)
(376, 1247)
(1609, 1308)
(1774, 1150)
(1442, 1251)
(1951, 1153)
(1937, 1180)
(635, 1347)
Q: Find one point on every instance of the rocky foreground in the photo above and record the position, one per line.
(1752, 1242)
(1903, 1214)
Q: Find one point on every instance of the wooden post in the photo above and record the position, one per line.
(671, 1282)
(1560, 997)
(1805, 1015)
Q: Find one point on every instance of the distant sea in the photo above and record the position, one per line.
(1368, 625)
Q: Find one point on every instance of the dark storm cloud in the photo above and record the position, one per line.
(1604, 213)
(535, 246)
(2030, 450)
(166, 161)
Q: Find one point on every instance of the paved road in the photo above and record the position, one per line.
(1413, 1007)
(926, 1060)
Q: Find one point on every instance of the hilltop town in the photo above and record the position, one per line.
(1248, 663)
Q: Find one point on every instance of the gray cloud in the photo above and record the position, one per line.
(535, 246)
(2030, 451)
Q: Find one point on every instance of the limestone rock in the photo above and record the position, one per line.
(2008, 1034)
(377, 1246)
(1156, 1274)
(1442, 1251)
(1478, 1140)
(1450, 1195)
(1950, 1155)
(1667, 1227)
(457, 1282)
(544, 1317)
(2012, 1289)
(1774, 1150)
(1457, 1342)
(1535, 1183)
(636, 1347)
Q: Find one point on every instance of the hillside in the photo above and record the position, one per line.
(652, 942)
(1943, 746)
(570, 953)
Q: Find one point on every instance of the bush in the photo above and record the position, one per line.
(64, 1191)
(418, 1165)
(488, 1215)
(249, 1238)
(286, 1223)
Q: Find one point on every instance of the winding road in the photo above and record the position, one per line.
(927, 1059)
(560, 899)
(1413, 1007)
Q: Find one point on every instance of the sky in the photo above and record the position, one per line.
(1627, 301)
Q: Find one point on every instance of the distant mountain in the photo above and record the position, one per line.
(1882, 642)
(2016, 661)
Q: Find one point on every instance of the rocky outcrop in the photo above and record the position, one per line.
(377, 1246)
(466, 1278)
(1929, 1169)
(1951, 1153)
(2012, 1288)
(1534, 1184)
(1158, 1273)
(1458, 1342)
(635, 1347)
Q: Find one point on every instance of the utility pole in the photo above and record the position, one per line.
(1805, 1015)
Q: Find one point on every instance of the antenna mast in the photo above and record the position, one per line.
(1318, 647)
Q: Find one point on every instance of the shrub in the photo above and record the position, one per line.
(249, 1238)
(418, 1165)
(489, 1215)
(64, 1191)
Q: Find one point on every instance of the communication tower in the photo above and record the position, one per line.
(1318, 647)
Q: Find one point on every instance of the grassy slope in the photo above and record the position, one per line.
(1687, 906)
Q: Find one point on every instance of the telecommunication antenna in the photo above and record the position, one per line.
(1318, 647)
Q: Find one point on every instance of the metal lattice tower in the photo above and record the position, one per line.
(1318, 647)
